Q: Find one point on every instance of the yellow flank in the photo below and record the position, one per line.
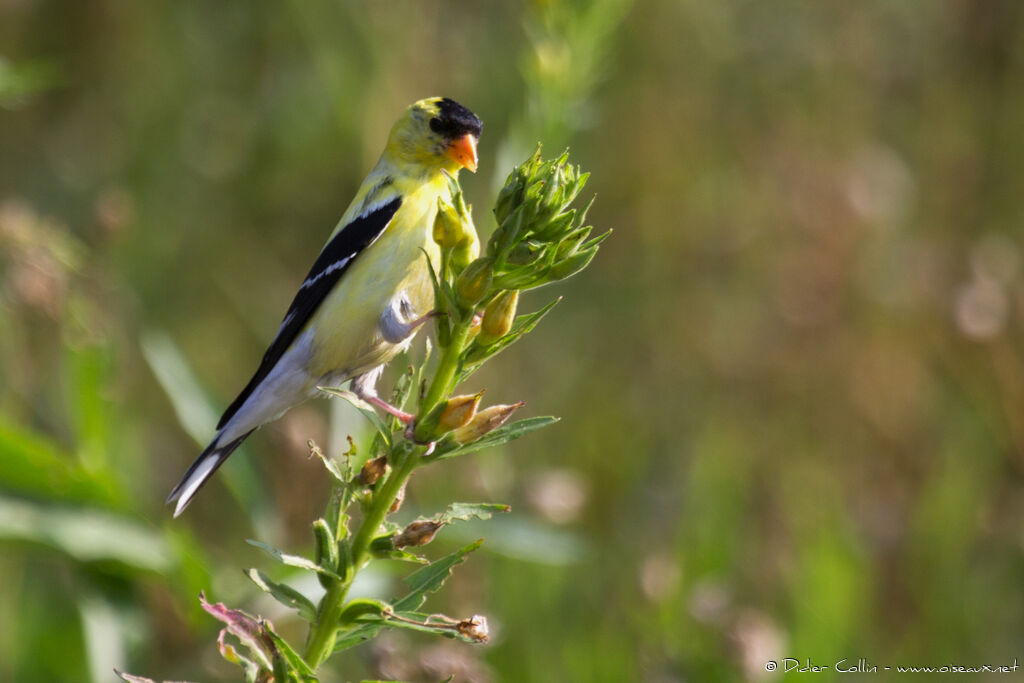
(347, 335)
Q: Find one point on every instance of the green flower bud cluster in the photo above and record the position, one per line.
(539, 238)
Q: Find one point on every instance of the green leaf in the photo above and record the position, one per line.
(365, 408)
(294, 660)
(440, 629)
(20, 80)
(284, 594)
(90, 369)
(32, 464)
(326, 545)
(406, 381)
(399, 554)
(329, 463)
(198, 418)
(468, 511)
(191, 404)
(363, 607)
(358, 635)
(432, 577)
(293, 560)
(501, 435)
(86, 535)
(280, 672)
(421, 582)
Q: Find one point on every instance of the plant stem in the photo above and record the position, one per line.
(322, 634)
(405, 458)
(444, 375)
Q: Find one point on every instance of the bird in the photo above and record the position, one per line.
(367, 292)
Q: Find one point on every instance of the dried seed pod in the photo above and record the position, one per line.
(475, 628)
(420, 532)
(373, 470)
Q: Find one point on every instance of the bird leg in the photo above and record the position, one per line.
(403, 417)
(364, 386)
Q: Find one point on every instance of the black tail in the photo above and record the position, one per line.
(201, 470)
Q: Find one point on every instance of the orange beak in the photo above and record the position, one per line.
(463, 152)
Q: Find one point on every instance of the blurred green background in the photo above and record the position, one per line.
(792, 382)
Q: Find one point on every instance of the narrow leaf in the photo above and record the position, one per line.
(86, 534)
(363, 407)
(284, 594)
(358, 635)
(294, 660)
(293, 560)
(362, 608)
(468, 511)
(432, 577)
(329, 463)
(421, 582)
(423, 625)
(503, 434)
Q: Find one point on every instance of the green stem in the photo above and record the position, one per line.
(444, 376)
(322, 635)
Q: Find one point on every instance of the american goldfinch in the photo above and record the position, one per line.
(369, 288)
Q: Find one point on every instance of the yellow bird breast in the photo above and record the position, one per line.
(348, 339)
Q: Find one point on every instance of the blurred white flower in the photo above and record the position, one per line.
(558, 494)
(980, 308)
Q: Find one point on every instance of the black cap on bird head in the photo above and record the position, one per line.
(453, 120)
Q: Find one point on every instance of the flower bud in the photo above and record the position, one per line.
(458, 411)
(372, 471)
(474, 282)
(498, 317)
(466, 251)
(485, 421)
(417, 533)
(326, 550)
(512, 193)
(447, 226)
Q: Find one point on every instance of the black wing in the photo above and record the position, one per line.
(332, 263)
